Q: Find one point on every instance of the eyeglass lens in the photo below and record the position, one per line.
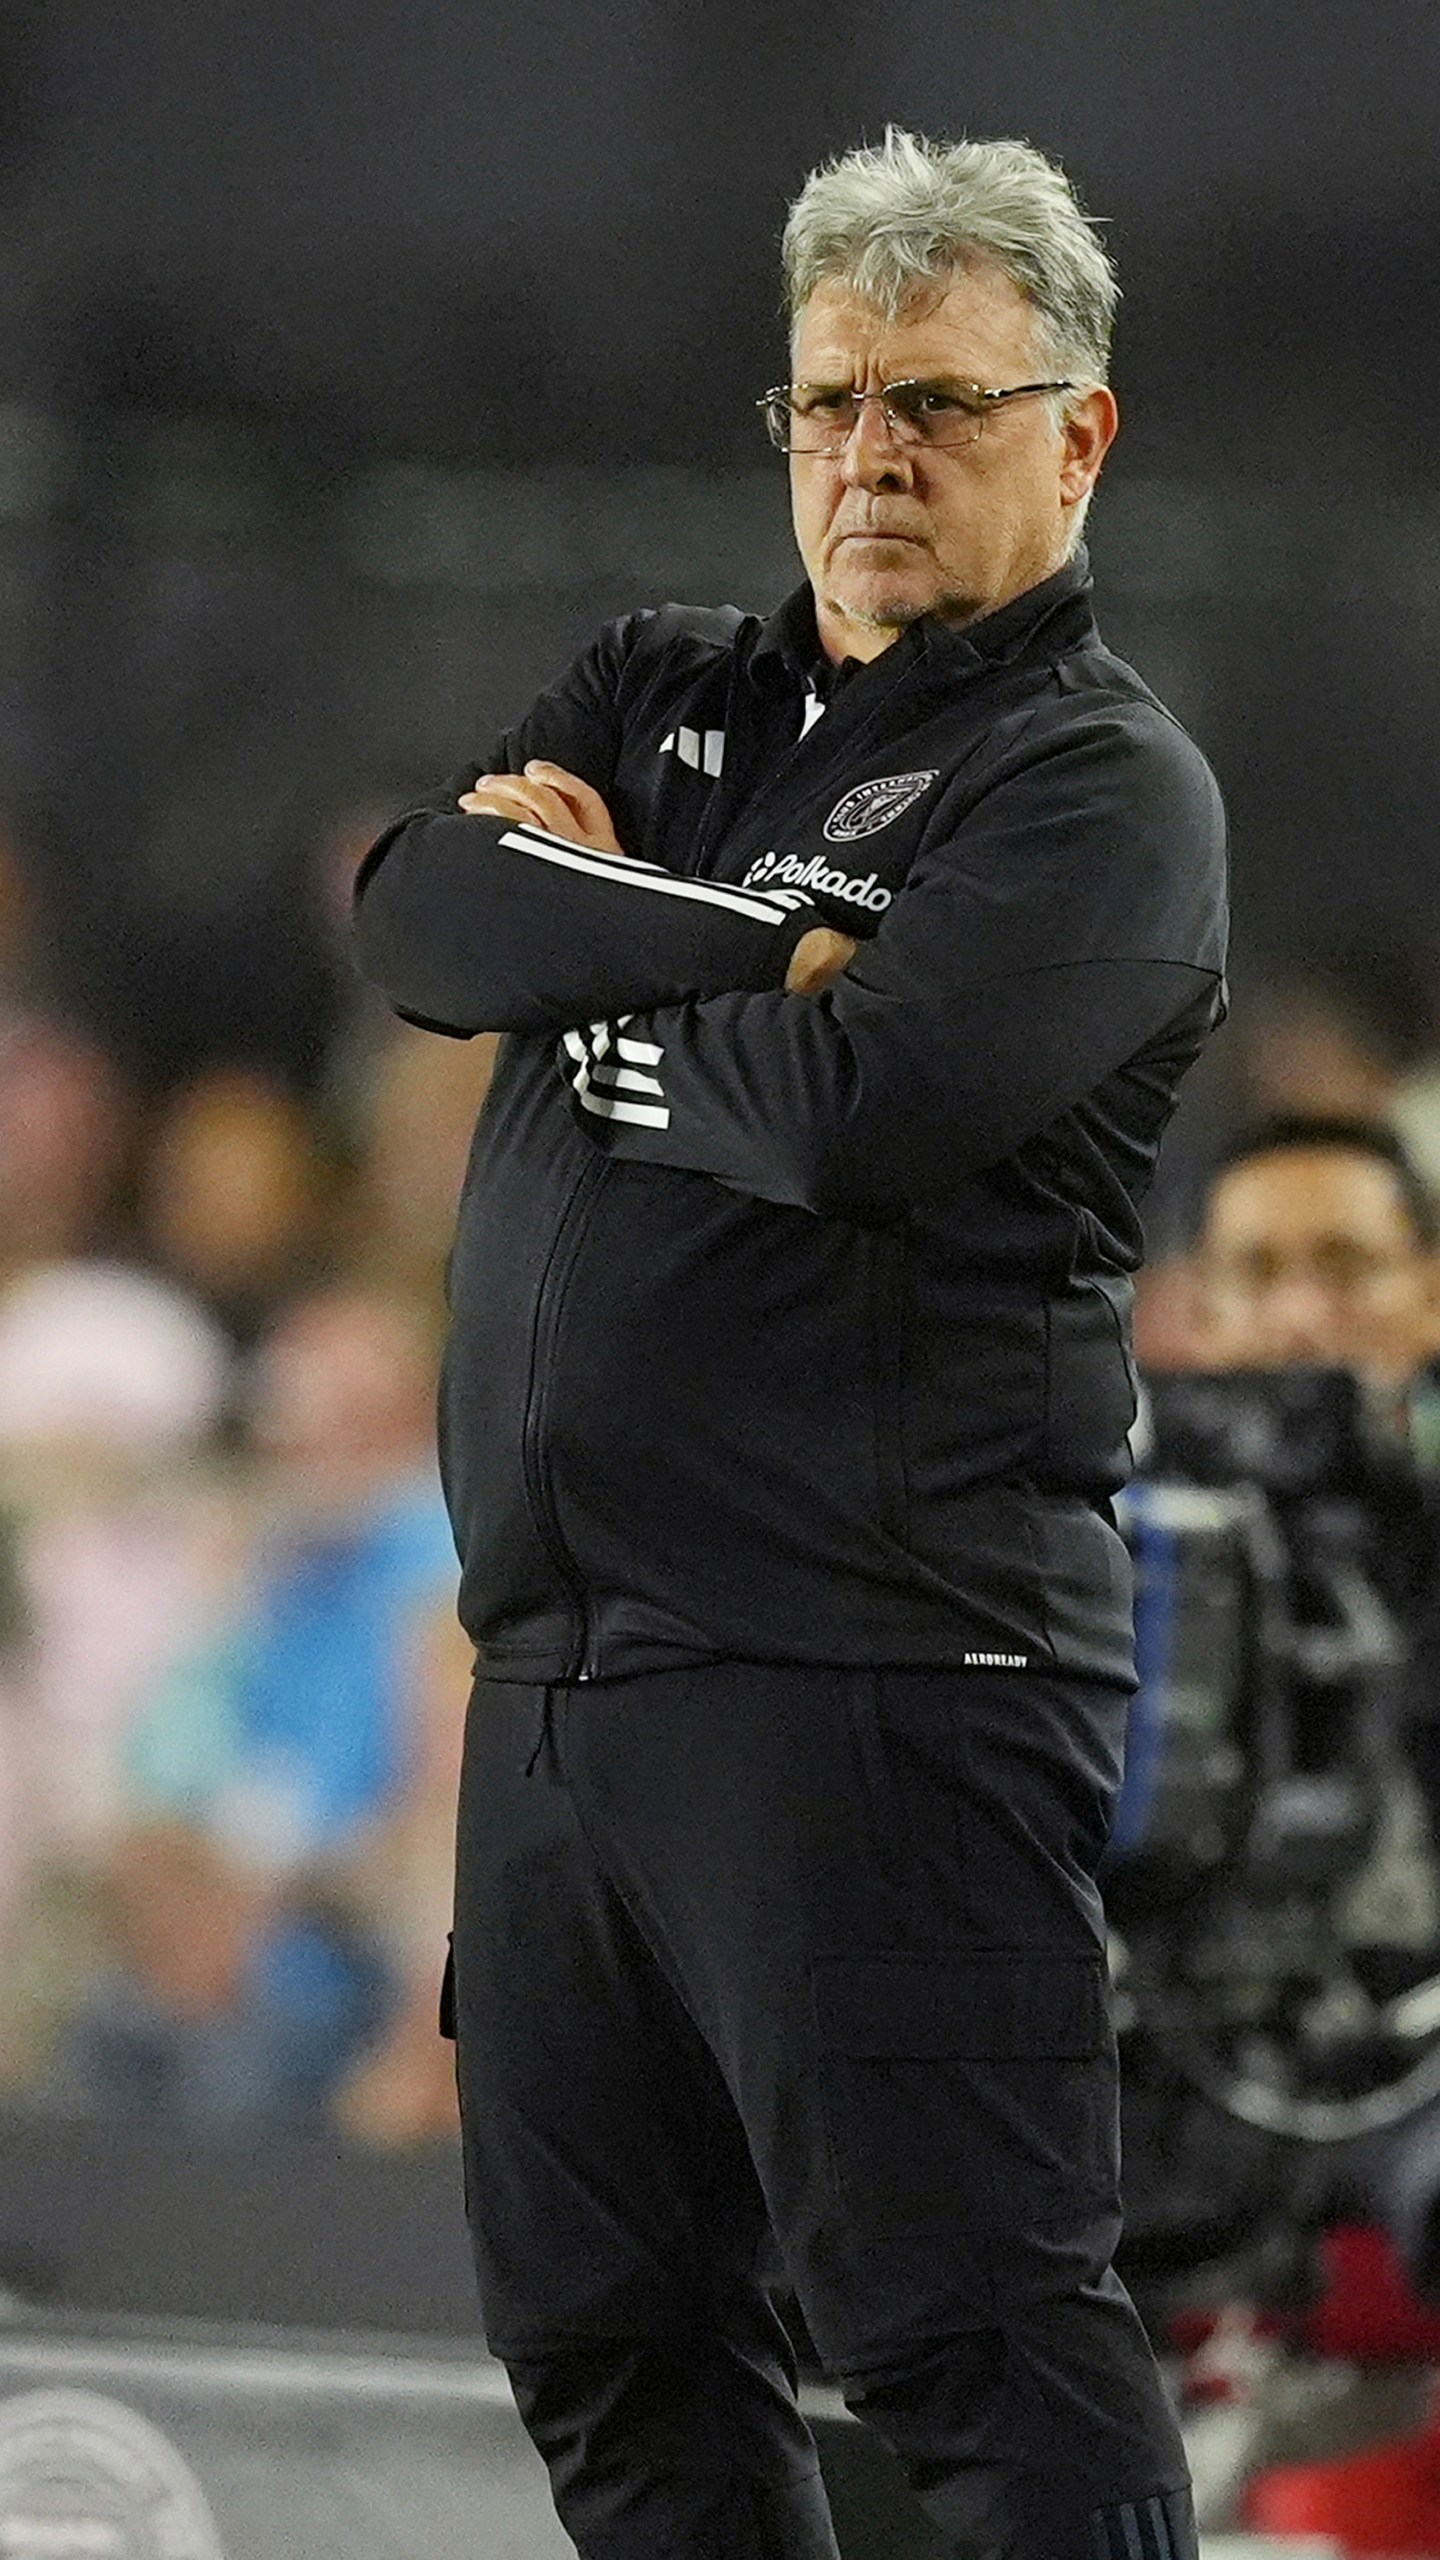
(820, 418)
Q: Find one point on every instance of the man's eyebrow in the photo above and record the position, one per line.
(937, 377)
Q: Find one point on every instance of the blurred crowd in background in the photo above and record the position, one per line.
(232, 1683)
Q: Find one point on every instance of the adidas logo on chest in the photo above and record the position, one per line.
(703, 749)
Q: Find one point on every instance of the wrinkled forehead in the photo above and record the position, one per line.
(975, 323)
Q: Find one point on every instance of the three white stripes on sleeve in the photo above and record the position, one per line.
(611, 1076)
(760, 905)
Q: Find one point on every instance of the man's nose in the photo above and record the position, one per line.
(1299, 1320)
(871, 457)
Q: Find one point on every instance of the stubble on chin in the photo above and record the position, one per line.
(881, 618)
(899, 612)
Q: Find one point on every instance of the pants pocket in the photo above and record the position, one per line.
(970, 2091)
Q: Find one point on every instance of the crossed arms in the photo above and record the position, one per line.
(1070, 929)
(535, 919)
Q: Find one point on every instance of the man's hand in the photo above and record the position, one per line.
(545, 795)
(818, 956)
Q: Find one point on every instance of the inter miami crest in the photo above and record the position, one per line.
(873, 805)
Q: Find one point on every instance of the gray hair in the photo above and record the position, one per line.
(901, 216)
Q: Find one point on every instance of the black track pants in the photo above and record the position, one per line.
(820, 1951)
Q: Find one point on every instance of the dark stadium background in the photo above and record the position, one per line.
(354, 361)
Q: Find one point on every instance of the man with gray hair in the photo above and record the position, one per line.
(849, 961)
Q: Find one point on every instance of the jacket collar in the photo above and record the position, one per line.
(1061, 606)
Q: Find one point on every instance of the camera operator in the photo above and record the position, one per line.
(1305, 1927)
(1320, 1243)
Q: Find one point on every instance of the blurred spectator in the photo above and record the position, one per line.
(235, 1193)
(1351, 1037)
(1168, 1325)
(111, 1386)
(65, 1129)
(404, 2091)
(223, 2010)
(364, 1024)
(1319, 1244)
(404, 1103)
(104, 1365)
(293, 1781)
(421, 1102)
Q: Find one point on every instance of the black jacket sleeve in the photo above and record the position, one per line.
(1073, 916)
(478, 924)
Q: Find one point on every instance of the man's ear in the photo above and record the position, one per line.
(1089, 430)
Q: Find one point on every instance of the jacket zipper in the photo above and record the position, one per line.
(559, 1263)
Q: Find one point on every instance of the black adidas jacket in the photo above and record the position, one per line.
(795, 1328)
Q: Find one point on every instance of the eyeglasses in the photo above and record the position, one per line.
(820, 417)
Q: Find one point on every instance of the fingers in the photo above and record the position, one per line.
(584, 799)
(592, 817)
(513, 795)
(818, 956)
(547, 796)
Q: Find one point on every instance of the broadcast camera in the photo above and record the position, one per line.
(1272, 1889)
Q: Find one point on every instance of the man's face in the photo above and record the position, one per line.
(1310, 1254)
(889, 531)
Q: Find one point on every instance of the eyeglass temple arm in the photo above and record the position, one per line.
(1016, 389)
